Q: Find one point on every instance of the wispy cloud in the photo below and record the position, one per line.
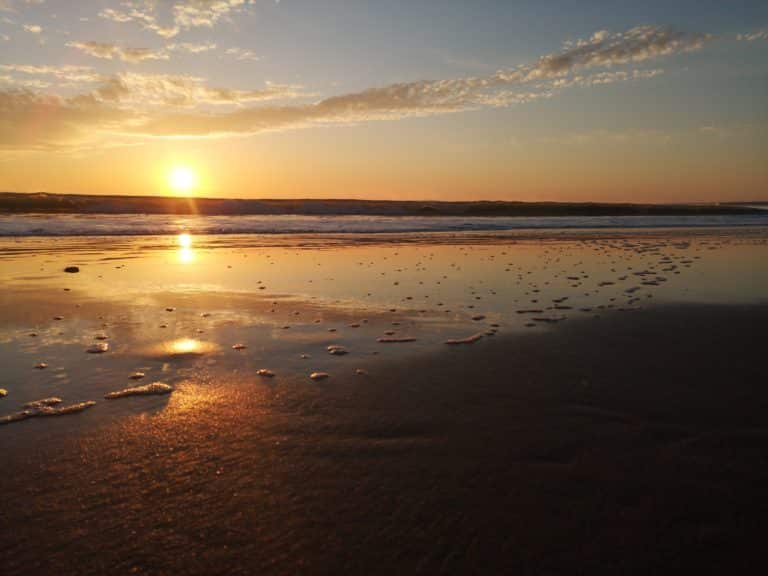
(184, 14)
(504, 88)
(109, 51)
(116, 106)
(26, 83)
(159, 106)
(142, 91)
(196, 13)
(146, 91)
(753, 36)
(611, 77)
(191, 47)
(241, 54)
(141, 13)
(64, 73)
(604, 49)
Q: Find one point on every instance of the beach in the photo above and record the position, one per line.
(383, 288)
(559, 401)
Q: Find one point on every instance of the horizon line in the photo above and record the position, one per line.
(384, 200)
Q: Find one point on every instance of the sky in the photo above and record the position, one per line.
(532, 100)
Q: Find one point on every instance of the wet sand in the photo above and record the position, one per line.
(634, 446)
(612, 441)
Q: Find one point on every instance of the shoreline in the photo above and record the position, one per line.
(313, 239)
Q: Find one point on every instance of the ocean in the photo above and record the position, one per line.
(159, 224)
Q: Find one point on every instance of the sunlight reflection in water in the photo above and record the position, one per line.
(185, 240)
(181, 348)
(186, 254)
(185, 346)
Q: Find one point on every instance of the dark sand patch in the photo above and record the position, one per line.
(635, 444)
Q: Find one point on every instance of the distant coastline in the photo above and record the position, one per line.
(45, 203)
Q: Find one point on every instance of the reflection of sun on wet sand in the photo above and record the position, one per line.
(281, 304)
(182, 347)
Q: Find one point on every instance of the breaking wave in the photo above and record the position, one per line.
(158, 225)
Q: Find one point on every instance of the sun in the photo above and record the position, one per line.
(182, 179)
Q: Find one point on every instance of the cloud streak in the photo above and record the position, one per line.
(241, 54)
(141, 13)
(754, 36)
(63, 73)
(191, 48)
(504, 88)
(197, 13)
(185, 14)
(172, 106)
(109, 51)
(148, 91)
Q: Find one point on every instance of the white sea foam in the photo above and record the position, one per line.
(158, 224)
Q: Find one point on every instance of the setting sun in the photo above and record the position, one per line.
(182, 179)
